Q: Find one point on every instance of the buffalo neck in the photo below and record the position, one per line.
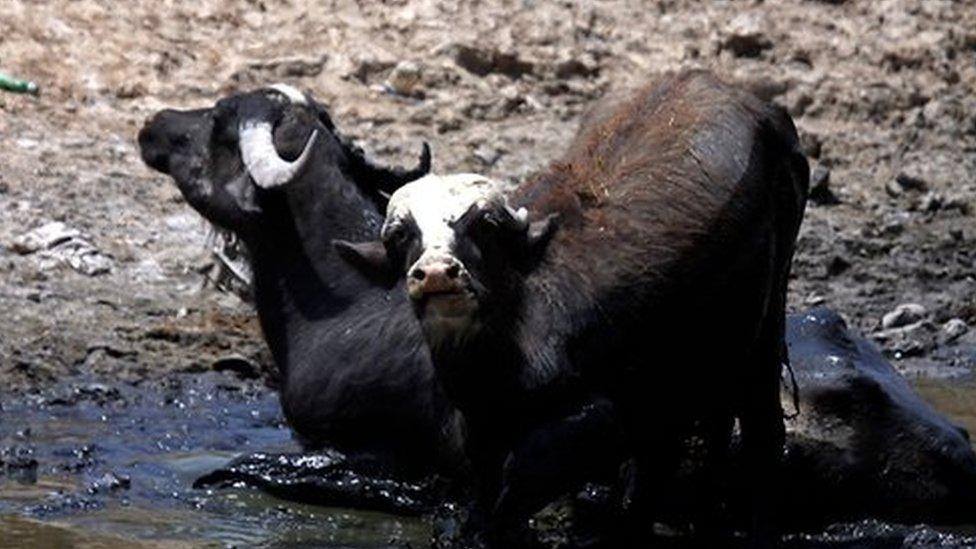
(301, 285)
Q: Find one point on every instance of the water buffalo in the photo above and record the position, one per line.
(677, 214)
(271, 166)
(864, 443)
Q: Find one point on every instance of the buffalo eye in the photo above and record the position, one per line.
(396, 237)
(491, 219)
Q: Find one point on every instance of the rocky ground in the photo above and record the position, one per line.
(103, 267)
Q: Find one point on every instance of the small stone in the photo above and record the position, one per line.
(837, 265)
(954, 329)
(811, 144)
(404, 78)
(894, 189)
(572, 68)
(745, 36)
(488, 155)
(109, 482)
(911, 182)
(44, 237)
(240, 366)
(814, 299)
(482, 62)
(820, 191)
(903, 315)
(931, 202)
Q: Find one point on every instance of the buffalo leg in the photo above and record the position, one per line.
(552, 460)
(763, 432)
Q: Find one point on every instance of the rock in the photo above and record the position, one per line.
(240, 366)
(954, 329)
(903, 315)
(488, 155)
(404, 78)
(109, 482)
(572, 68)
(906, 341)
(290, 67)
(911, 182)
(482, 62)
(931, 202)
(85, 258)
(811, 144)
(820, 192)
(894, 189)
(745, 37)
(56, 243)
(838, 264)
(44, 237)
(904, 183)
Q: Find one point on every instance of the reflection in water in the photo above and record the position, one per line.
(954, 397)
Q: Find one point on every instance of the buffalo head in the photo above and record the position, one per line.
(461, 247)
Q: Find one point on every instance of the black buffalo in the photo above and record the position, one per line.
(271, 167)
(864, 443)
(677, 213)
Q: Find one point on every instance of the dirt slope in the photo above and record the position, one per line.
(882, 93)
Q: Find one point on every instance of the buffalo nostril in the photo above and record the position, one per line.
(418, 274)
(453, 271)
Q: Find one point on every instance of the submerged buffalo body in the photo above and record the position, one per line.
(864, 443)
(271, 167)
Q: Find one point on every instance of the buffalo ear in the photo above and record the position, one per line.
(539, 233)
(370, 258)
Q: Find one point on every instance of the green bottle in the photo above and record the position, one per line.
(16, 85)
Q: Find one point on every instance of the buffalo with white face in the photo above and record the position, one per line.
(670, 221)
(449, 231)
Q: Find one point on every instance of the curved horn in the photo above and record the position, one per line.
(516, 219)
(261, 159)
(383, 179)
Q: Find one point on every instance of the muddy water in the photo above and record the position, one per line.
(93, 465)
(90, 465)
(954, 397)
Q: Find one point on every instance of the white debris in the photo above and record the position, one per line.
(904, 314)
(955, 328)
(55, 244)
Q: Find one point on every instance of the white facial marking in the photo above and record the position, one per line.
(434, 202)
(292, 93)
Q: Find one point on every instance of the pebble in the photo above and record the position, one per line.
(820, 192)
(903, 183)
(44, 237)
(931, 202)
(482, 62)
(240, 366)
(109, 482)
(911, 182)
(954, 329)
(745, 36)
(404, 78)
(903, 315)
(572, 68)
(488, 155)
